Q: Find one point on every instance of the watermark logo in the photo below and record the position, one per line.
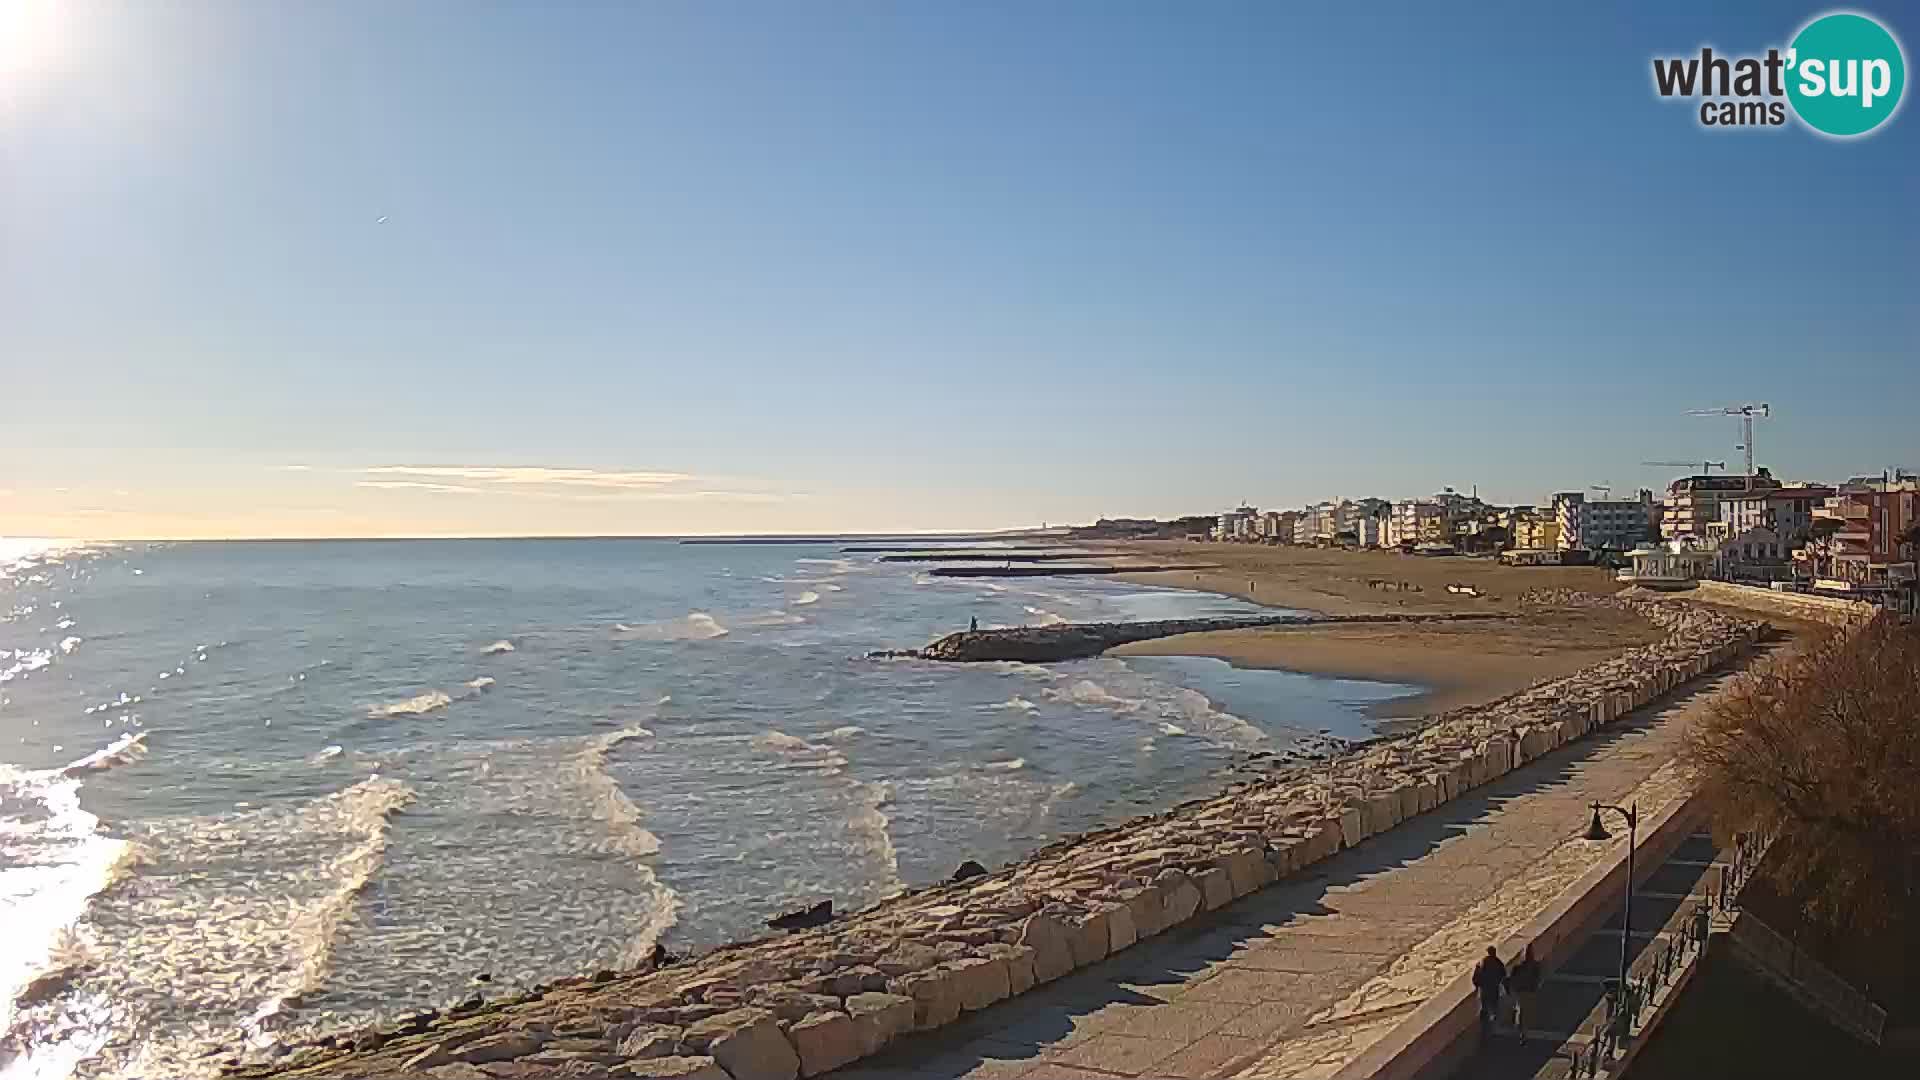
(1843, 75)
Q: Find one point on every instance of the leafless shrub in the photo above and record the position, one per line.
(1823, 751)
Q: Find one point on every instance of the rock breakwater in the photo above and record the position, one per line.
(809, 1002)
(1077, 641)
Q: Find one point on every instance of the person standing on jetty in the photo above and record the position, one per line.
(1524, 982)
(1489, 975)
(973, 624)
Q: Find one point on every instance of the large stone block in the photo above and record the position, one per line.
(935, 993)
(1409, 792)
(1383, 812)
(1216, 889)
(1052, 945)
(1323, 840)
(1149, 912)
(1247, 870)
(1180, 895)
(1353, 827)
(1121, 933)
(748, 1043)
(825, 1041)
(1019, 960)
(1091, 939)
(981, 981)
(878, 1018)
(696, 1067)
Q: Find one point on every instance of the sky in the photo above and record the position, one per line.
(464, 268)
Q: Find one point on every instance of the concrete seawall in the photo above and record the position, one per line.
(1822, 609)
(802, 1005)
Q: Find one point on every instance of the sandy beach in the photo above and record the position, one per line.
(1458, 663)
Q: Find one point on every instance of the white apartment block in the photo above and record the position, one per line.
(1602, 524)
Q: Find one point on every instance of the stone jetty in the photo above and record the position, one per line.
(1076, 641)
(1057, 570)
(811, 1001)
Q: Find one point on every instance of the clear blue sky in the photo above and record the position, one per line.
(907, 265)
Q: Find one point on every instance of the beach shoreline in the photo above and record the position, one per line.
(1453, 664)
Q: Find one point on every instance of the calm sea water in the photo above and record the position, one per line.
(252, 791)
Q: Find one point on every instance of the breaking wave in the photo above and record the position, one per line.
(1016, 703)
(124, 750)
(1009, 765)
(498, 647)
(694, 626)
(807, 597)
(417, 705)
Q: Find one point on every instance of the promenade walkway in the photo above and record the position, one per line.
(1295, 980)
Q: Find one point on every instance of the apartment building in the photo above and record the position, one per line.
(1693, 502)
(1602, 524)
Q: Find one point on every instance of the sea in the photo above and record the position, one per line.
(255, 792)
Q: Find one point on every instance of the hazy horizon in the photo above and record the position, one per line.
(356, 270)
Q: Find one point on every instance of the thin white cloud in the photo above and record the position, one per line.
(538, 475)
(296, 468)
(415, 485)
(576, 484)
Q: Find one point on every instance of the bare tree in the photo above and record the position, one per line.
(1822, 750)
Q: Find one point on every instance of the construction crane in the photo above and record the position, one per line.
(1746, 413)
(1704, 467)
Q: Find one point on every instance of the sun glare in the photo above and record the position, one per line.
(30, 38)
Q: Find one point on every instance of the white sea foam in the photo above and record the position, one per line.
(56, 860)
(837, 566)
(68, 644)
(807, 597)
(871, 825)
(694, 626)
(363, 809)
(1172, 729)
(480, 685)
(1045, 618)
(417, 705)
(846, 731)
(828, 586)
(25, 662)
(327, 754)
(1088, 692)
(773, 618)
(124, 750)
(1009, 765)
(498, 647)
(780, 740)
(1016, 703)
(627, 835)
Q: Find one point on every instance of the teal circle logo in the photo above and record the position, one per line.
(1845, 74)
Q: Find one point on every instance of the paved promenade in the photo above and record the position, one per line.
(1295, 980)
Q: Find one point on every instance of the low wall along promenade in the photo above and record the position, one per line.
(810, 1002)
(1822, 609)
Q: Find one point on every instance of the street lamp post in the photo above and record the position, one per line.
(1598, 831)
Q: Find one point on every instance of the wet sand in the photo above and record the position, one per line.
(1457, 663)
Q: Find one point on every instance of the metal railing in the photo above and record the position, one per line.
(1677, 944)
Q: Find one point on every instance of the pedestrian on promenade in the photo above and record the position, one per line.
(1524, 983)
(1489, 975)
(973, 623)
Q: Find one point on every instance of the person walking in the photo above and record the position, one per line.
(1489, 975)
(1524, 982)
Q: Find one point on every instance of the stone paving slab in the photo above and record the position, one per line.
(1296, 979)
